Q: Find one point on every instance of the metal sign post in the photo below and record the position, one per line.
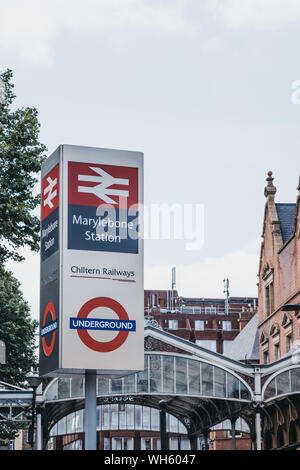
(163, 427)
(90, 410)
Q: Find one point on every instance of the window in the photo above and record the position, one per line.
(63, 388)
(185, 444)
(130, 417)
(220, 382)
(276, 352)
(168, 374)
(226, 325)
(138, 417)
(210, 310)
(146, 418)
(106, 443)
(150, 443)
(114, 414)
(210, 344)
(289, 343)
(75, 445)
(181, 375)
(173, 443)
(77, 387)
(237, 434)
(79, 421)
(173, 424)
(269, 299)
(154, 419)
(105, 417)
(200, 443)
(146, 443)
(199, 325)
(71, 423)
(116, 386)
(62, 426)
(194, 377)
(280, 437)
(266, 357)
(173, 324)
(155, 373)
(196, 310)
(122, 416)
(122, 443)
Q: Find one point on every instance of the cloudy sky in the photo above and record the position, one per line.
(204, 89)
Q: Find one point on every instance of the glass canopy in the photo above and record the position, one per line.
(284, 383)
(118, 417)
(163, 373)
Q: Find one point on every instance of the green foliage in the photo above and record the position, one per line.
(21, 156)
(9, 430)
(17, 330)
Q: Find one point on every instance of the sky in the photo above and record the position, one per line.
(206, 90)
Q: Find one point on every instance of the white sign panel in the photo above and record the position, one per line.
(100, 321)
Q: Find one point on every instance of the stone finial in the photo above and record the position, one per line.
(270, 189)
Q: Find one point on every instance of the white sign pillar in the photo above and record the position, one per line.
(92, 268)
(92, 280)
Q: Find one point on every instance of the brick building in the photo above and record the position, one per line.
(279, 276)
(279, 326)
(210, 323)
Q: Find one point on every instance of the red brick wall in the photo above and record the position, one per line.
(285, 263)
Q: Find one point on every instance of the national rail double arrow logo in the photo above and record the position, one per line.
(104, 181)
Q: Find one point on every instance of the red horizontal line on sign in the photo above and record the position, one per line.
(92, 277)
(109, 278)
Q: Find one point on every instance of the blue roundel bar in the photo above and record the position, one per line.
(46, 330)
(102, 324)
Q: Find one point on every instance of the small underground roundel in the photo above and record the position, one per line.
(48, 330)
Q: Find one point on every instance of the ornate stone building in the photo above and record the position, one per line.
(279, 314)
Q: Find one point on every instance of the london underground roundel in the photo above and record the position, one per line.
(82, 324)
(49, 329)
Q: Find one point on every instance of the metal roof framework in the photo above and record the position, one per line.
(15, 404)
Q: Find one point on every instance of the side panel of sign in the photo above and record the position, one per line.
(103, 291)
(49, 280)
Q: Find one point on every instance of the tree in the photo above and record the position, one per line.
(21, 156)
(17, 330)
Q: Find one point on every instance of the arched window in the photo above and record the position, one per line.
(268, 440)
(293, 432)
(287, 320)
(264, 341)
(280, 437)
(275, 329)
(275, 334)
